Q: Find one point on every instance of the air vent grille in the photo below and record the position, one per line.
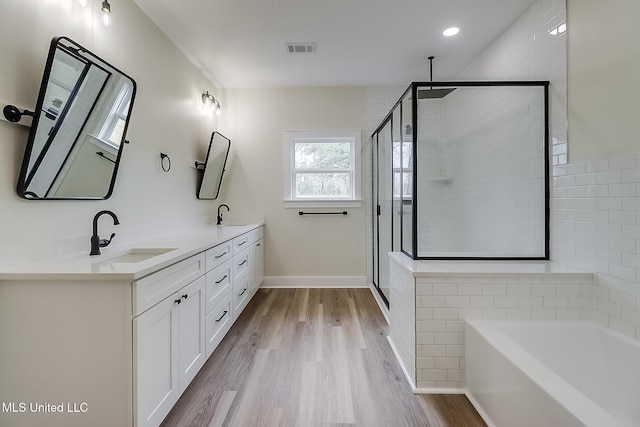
(301, 47)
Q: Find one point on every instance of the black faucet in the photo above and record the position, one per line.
(96, 242)
(219, 220)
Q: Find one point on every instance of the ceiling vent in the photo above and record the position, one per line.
(301, 47)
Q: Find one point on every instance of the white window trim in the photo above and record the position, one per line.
(289, 136)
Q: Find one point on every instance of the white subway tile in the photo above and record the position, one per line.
(543, 289)
(457, 301)
(555, 302)
(609, 308)
(455, 325)
(519, 314)
(568, 314)
(448, 363)
(454, 350)
(433, 326)
(449, 338)
(425, 363)
(481, 301)
(445, 289)
(494, 289)
(433, 351)
(432, 301)
(543, 314)
(494, 314)
(609, 177)
(445, 313)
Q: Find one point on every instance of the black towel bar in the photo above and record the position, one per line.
(322, 213)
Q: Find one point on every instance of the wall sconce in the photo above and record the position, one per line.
(106, 13)
(210, 101)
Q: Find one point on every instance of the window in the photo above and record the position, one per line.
(114, 125)
(323, 168)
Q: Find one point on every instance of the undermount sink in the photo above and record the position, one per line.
(134, 255)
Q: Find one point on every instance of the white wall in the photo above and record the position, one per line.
(296, 246)
(604, 66)
(166, 117)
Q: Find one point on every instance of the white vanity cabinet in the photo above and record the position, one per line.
(169, 340)
(121, 339)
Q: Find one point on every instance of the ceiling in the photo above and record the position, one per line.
(241, 43)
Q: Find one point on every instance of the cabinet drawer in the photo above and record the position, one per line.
(218, 322)
(152, 289)
(240, 295)
(240, 243)
(218, 254)
(218, 283)
(255, 235)
(240, 264)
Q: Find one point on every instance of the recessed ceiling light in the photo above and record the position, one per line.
(449, 32)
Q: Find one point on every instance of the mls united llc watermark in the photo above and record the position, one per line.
(44, 407)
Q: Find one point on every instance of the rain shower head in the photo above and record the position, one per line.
(432, 93)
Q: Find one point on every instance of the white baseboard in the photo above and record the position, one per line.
(435, 390)
(314, 282)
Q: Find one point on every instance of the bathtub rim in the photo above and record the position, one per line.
(565, 394)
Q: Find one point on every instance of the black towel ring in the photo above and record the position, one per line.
(162, 162)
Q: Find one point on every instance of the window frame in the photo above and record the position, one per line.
(290, 138)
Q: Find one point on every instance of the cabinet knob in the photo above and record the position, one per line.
(185, 296)
(178, 301)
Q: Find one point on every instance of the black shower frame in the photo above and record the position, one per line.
(413, 89)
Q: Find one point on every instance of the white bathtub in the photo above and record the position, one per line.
(552, 374)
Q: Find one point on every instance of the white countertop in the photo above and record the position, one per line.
(84, 267)
(424, 268)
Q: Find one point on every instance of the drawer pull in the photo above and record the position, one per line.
(185, 296)
(222, 317)
(242, 243)
(178, 300)
(242, 263)
(220, 281)
(242, 293)
(221, 255)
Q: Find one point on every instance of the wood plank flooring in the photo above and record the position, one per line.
(306, 358)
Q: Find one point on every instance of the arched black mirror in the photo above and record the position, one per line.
(213, 166)
(78, 128)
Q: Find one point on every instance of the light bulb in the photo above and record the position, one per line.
(218, 109)
(106, 13)
(449, 32)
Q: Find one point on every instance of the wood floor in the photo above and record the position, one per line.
(306, 358)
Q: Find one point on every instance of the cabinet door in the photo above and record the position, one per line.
(256, 263)
(191, 336)
(156, 375)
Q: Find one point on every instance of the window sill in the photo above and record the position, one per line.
(332, 203)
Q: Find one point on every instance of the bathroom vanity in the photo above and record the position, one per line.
(114, 340)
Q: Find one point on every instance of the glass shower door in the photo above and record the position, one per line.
(383, 209)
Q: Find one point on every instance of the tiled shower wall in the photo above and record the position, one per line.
(596, 226)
